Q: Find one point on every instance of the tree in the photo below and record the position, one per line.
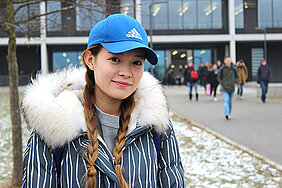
(9, 23)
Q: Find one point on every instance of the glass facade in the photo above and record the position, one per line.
(86, 18)
(64, 59)
(54, 21)
(159, 69)
(270, 13)
(26, 12)
(183, 14)
(239, 14)
(127, 7)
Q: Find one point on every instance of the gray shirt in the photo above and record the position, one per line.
(107, 126)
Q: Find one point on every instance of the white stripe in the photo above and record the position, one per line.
(146, 164)
(51, 169)
(139, 164)
(173, 154)
(165, 170)
(150, 160)
(129, 169)
(133, 162)
(71, 172)
(108, 181)
(107, 167)
(168, 156)
(46, 165)
(76, 166)
(29, 158)
(177, 161)
(67, 173)
(99, 178)
(38, 163)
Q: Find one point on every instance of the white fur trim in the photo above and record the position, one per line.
(52, 106)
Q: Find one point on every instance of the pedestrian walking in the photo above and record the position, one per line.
(218, 63)
(192, 79)
(242, 77)
(227, 77)
(213, 81)
(263, 78)
(170, 76)
(106, 125)
(179, 75)
(203, 76)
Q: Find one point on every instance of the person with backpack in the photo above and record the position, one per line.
(104, 126)
(263, 78)
(243, 76)
(212, 78)
(192, 79)
(227, 77)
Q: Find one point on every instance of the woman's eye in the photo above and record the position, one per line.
(114, 59)
(138, 63)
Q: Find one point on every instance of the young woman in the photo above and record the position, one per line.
(109, 129)
(213, 81)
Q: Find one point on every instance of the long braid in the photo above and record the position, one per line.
(91, 121)
(126, 108)
(92, 132)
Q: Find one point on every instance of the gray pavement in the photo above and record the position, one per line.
(254, 125)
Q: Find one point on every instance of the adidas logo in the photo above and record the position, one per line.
(133, 33)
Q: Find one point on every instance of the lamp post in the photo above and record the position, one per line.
(151, 20)
(264, 43)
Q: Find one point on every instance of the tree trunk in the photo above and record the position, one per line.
(15, 111)
(14, 100)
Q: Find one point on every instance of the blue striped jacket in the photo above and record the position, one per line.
(52, 107)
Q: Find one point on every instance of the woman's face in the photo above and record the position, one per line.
(117, 75)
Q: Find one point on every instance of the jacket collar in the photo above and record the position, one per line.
(53, 106)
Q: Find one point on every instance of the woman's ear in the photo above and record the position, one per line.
(88, 59)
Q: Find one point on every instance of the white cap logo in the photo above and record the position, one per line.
(134, 34)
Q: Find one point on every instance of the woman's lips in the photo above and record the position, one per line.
(122, 84)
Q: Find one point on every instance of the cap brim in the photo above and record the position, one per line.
(123, 46)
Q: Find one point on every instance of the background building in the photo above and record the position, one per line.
(182, 30)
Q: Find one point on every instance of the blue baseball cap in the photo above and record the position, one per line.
(120, 33)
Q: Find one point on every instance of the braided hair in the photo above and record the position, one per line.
(126, 107)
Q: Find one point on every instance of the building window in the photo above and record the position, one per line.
(54, 21)
(239, 14)
(65, 59)
(270, 13)
(26, 12)
(127, 7)
(184, 14)
(89, 14)
(189, 13)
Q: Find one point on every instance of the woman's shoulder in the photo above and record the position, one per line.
(52, 106)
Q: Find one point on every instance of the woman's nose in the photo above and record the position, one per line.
(125, 72)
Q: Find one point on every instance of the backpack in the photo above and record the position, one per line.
(194, 75)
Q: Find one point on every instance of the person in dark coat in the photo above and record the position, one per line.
(263, 78)
(227, 77)
(203, 75)
(212, 78)
(192, 82)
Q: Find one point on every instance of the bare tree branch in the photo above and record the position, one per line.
(6, 24)
(47, 13)
(27, 4)
(20, 1)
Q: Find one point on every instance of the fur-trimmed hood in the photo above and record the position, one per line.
(53, 106)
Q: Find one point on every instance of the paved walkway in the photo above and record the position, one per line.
(255, 125)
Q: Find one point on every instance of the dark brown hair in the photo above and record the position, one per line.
(126, 108)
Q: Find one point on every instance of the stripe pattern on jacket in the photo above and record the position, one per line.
(139, 160)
